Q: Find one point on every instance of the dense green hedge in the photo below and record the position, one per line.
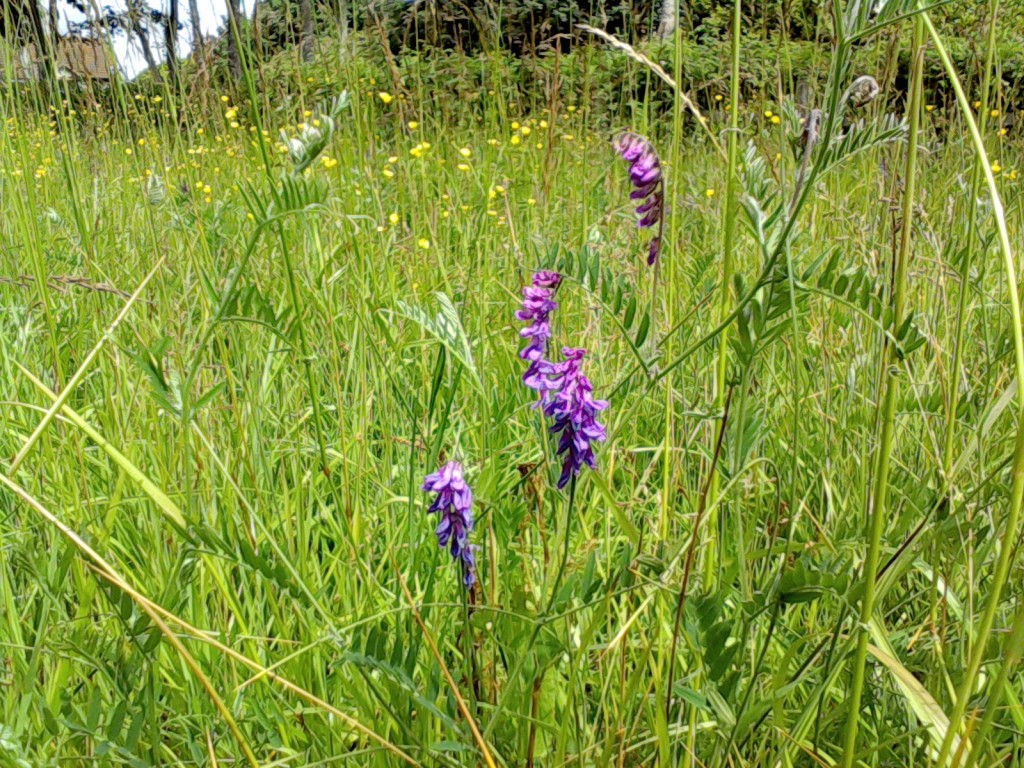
(617, 90)
(460, 51)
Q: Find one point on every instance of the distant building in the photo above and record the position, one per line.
(78, 58)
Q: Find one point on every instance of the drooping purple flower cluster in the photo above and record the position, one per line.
(454, 503)
(648, 185)
(566, 394)
(574, 410)
(538, 304)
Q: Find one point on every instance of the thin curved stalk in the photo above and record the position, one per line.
(1001, 570)
(1012, 651)
(876, 513)
(728, 262)
(965, 271)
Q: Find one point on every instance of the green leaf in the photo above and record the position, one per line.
(921, 702)
(645, 326)
(447, 328)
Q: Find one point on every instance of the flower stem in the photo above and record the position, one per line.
(565, 545)
(1006, 547)
(728, 246)
(972, 227)
(876, 513)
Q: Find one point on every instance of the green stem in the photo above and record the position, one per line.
(1012, 651)
(890, 382)
(965, 271)
(565, 546)
(728, 258)
(307, 361)
(1006, 543)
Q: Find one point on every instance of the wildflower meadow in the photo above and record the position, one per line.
(489, 403)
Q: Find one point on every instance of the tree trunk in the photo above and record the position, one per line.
(306, 41)
(199, 46)
(234, 35)
(147, 52)
(136, 27)
(196, 24)
(53, 25)
(47, 53)
(171, 42)
(667, 18)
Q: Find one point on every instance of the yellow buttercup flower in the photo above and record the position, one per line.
(386, 97)
(413, 125)
(515, 140)
(393, 218)
(776, 120)
(463, 167)
(466, 152)
(423, 243)
(709, 192)
(996, 167)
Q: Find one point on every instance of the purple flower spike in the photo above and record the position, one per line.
(649, 185)
(574, 410)
(538, 304)
(454, 503)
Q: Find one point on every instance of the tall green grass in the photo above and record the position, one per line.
(223, 380)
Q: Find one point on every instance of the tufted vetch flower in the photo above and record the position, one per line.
(574, 410)
(538, 304)
(454, 503)
(648, 181)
